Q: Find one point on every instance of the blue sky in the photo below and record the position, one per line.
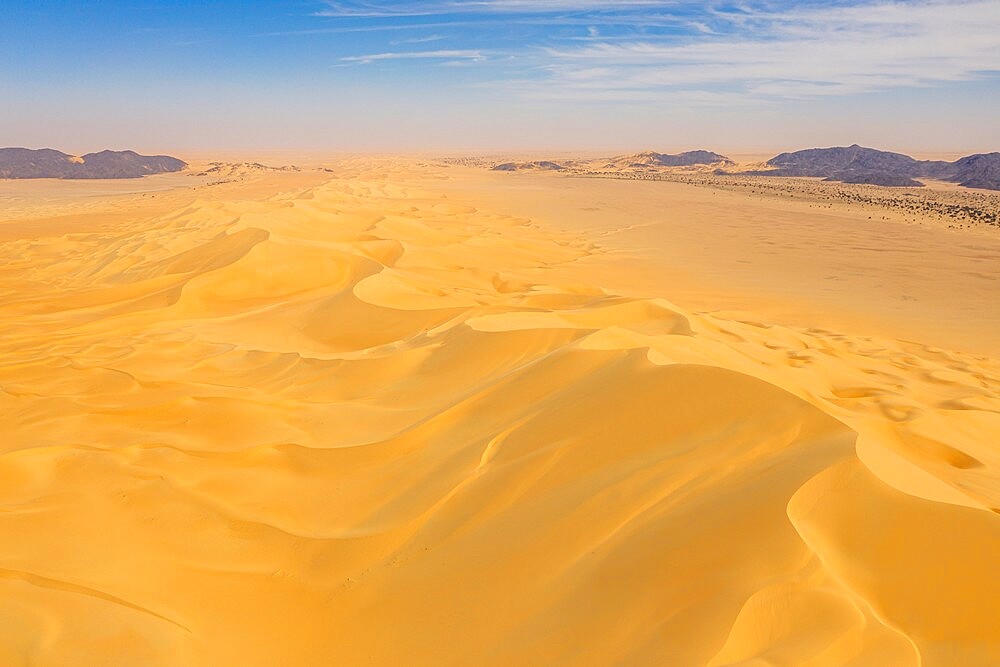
(499, 74)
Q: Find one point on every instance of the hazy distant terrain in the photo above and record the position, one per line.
(540, 165)
(654, 159)
(847, 164)
(49, 163)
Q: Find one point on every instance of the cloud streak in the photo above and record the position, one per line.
(396, 10)
(444, 54)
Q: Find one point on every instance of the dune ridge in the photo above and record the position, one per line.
(360, 423)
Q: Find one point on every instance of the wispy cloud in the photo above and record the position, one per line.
(420, 40)
(672, 49)
(347, 29)
(399, 9)
(445, 54)
(800, 52)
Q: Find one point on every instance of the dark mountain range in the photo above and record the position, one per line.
(856, 164)
(978, 171)
(653, 159)
(826, 162)
(48, 163)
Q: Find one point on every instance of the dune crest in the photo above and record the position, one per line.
(359, 423)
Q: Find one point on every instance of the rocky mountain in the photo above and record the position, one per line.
(48, 163)
(857, 164)
(978, 171)
(855, 159)
(653, 159)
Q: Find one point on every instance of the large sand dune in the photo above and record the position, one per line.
(349, 419)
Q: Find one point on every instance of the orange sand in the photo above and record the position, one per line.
(381, 417)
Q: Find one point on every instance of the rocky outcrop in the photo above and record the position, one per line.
(48, 163)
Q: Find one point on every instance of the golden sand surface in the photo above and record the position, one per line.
(413, 414)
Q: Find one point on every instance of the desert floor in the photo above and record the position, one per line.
(404, 412)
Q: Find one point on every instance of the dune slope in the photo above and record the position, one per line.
(357, 423)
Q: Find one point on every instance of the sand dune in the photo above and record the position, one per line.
(355, 419)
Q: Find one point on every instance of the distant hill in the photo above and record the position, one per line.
(48, 163)
(540, 165)
(237, 170)
(978, 171)
(654, 159)
(857, 164)
(855, 159)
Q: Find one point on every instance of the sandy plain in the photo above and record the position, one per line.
(408, 412)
